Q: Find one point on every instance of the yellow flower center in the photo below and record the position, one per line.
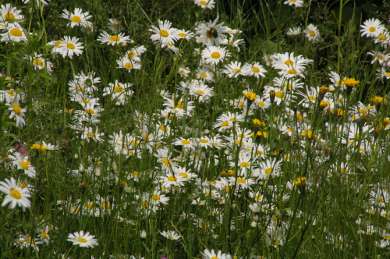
(131, 54)
(165, 161)
(16, 32)
(70, 45)
(15, 193)
(241, 180)
(39, 62)
(180, 105)
(245, 164)
(200, 92)
(312, 34)
(372, 29)
(90, 111)
(292, 71)
(75, 19)
(268, 170)
(381, 37)
(156, 197)
(204, 140)
(215, 55)
(204, 75)
(225, 124)
(255, 69)
(172, 178)
(203, 2)
(9, 16)
(289, 62)
(118, 89)
(184, 174)
(182, 34)
(16, 108)
(82, 240)
(279, 94)
(186, 142)
(24, 164)
(128, 66)
(114, 38)
(164, 33)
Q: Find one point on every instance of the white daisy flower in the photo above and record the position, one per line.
(77, 18)
(214, 55)
(16, 194)
(371, 28)
(164, 34)
(82, 239)
(113, 39)
(205, 4)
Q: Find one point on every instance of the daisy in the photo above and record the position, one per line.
(184, 174)
(38, 2)
(17, 113)
(312, 33)
(214, 55)
(158, 198)
(241, 182)
(10, 14)
(135, 54)
(201, 91)
(77, 18)
(379, 57)
(186, 143)
(39, 63)
(205, 74)
(82, 239)
(211, 33)
(255, 70)
(274, 95)
(371, 28)
(14, 33)
(171, 235)
(118, 91)
(22, 162)
(127, 64)
(184, 35)
(164, 34)
(262, 103)
(165, 159)
(233, 70)
(113, 39)
(205, 4)
(294, 31)
(89, 134)
(171, 180)
(211, 254)
(11, 96)
(269, 168)
(227, 120)
(295, 3)
(16, 195)
(383, 38)
(70, 46)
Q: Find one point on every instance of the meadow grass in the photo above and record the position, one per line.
(261, 135)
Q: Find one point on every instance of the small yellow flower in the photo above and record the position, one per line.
(376, 100)
(300, 181)
(350, 82)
